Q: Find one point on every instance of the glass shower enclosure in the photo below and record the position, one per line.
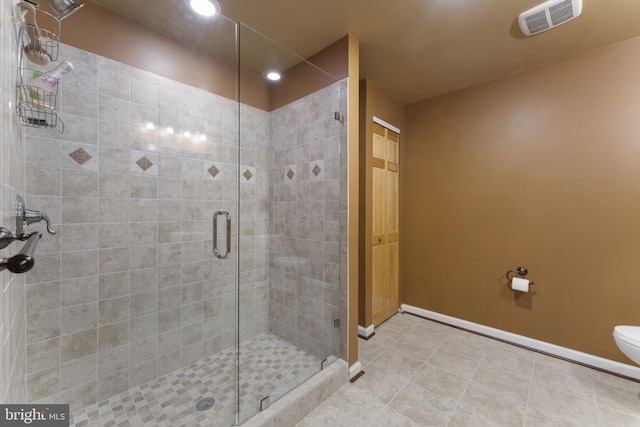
(289, 224)
(200, 234)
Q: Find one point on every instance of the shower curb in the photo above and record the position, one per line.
(293, 407)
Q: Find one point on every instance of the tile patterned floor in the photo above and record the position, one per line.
(268, 364)
(422, 373)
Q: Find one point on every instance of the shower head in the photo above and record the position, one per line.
(64, 8)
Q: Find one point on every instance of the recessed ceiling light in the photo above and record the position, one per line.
(205, 7)
(273, 76)
(169, 130)
(150, 125)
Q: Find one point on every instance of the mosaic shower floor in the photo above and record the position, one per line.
(268, 364)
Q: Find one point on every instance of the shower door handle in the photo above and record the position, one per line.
(215, 234)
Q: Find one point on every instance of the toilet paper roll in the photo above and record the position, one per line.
(519, 284)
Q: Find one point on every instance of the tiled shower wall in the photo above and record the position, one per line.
(12, 290)
(128, 289)
(305, 221)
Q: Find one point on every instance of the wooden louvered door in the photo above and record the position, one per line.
(384, 254)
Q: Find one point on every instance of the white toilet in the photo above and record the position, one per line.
(628, 340)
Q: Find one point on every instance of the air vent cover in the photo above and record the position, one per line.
(548, 15)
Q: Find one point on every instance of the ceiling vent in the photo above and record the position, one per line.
(548, 15)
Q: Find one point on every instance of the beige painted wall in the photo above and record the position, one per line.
(373, 102)
(304, 79)
(540, 169)
(108, 34)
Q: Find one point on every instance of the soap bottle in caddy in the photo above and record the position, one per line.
(43, 85)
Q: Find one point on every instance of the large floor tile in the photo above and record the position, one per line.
(463, 418)
(610, 417)
(566, 376)
(622, 395)
(536, 417)
(396, 363)
(380, 385)
(454, 363)
(509, 358)
(386, 337)
(473, 381)
(399, 322)
(417, 345)
(513, 385)
(440, 382)
(492, 406)
(368, 350)
(467, 344)
(556, 403)
(389, 418)
(422, 406)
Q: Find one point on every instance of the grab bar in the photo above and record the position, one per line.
(215, 234)
(23, 261)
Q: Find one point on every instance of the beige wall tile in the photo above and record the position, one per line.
(113, 285)
(78, 345)
(113, 384)
(140, 374)
(79, 264)
(43, 297)
(78, 371)
(113, 335)
(81, 396)
(43, 355)
(43, 383)
(79, 317)
(43, 325)
(113, 310)
(113, 360)
(79, 291)
(143, 350)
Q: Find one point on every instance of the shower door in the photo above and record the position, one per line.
(289, 221)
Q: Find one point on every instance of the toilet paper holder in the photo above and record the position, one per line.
(520, 271)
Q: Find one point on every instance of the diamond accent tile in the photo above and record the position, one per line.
(213, 171)
(316, 170)
(144, 163)
(80, 156)
(247, 174)
(290, 174)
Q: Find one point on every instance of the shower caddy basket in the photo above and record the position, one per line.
(35, 106)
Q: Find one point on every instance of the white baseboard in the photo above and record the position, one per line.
(366, 332)
(355, 369)
(545, 347)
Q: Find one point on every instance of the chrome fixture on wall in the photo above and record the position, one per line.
(23, 261)
(64, 8)
(26, 216)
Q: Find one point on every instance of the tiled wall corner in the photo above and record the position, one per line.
(305, 221)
